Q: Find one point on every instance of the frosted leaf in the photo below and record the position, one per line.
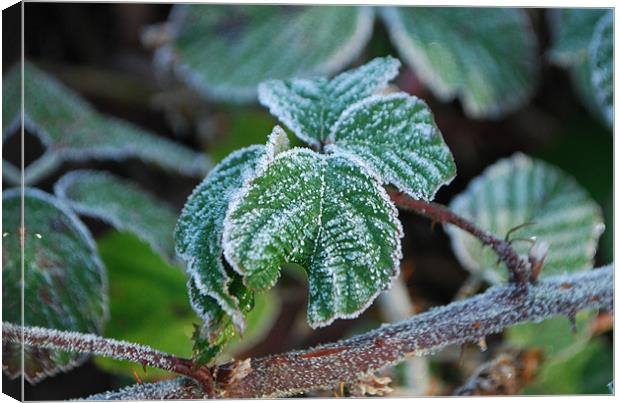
(311, 107)
(396, 136)
(487, 57)
(602, 65)
(521, 190)
(72, 130)
(65, 285)
(325, 213)
(121, 204)
(571, 32)
(226, 51)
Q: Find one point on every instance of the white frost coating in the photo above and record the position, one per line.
(519, 190)
(346, 234)
(115, 202)
(310, 107)
(277, 143)
(395, 135)
(601, 59)
(198, 231)
(177, 389)
(270, 44)
(73, 130)
(492, 70)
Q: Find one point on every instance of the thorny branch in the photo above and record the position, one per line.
(121, 350)
(518, 267)
(349, 360)
(460, 322)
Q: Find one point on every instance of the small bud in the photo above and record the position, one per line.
(536, 257)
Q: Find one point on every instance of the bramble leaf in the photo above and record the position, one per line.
(72, 130)
(121, 204)
(487, 57)
(602, 65)
(65, 285)
(325, 213)
(521, 190)
(217, 294)
(226, 51)
(311, 107)
(571, 32)
(396, 137)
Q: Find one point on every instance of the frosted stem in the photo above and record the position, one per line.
(464, 321)
(518, 267)
(90, 343)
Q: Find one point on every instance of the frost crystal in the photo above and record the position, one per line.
(73, 130)
(310, 107)
(519, 190)
(325, 213)
(395, 135)
(485, 56)
(226, 51)
(121, 204)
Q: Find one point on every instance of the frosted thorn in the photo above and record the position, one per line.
(482, 343)
(371, 385)
(518, 227)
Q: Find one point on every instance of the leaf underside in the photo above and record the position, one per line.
(487, 57)
(226, 51)
(121, 204)
(521, 190)
(65, 283)
(73, 130)
(325, 213)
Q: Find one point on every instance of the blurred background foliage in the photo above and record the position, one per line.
(97, 50)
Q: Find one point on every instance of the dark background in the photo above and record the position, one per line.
(96, 50)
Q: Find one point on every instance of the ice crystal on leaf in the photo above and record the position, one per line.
(602, 65)
(64, 285)
(73, 130)
(217, 294)
(395, 135)
(521, 190)
(121, 204)
(226, 51)
(326, 213)
(311, 107)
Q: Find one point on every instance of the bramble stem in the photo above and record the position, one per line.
(464, 321)
(518, 267)
(90, 343)
(349, 360)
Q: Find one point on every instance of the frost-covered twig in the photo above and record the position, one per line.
(464, 321)
(517, 266)
(89, 343)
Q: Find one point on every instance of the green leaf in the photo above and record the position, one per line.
(396, 137)
(72, 130)
(65, 285)
(217, 294)
(520, 190)
(602, 65)
(226, 51)
(311, 107)
(325, 213)
(571, 32)
(148, 302)
(565, 368)
(487, 57)
(121, 204)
